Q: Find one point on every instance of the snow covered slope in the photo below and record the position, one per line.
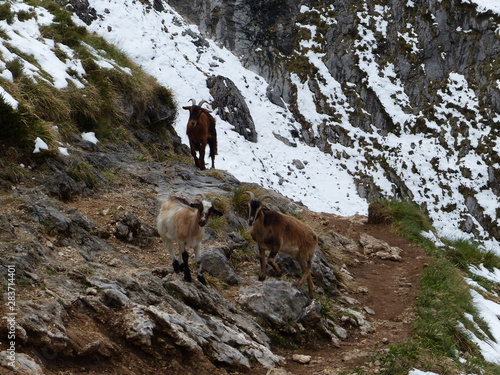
(442, 169)
(169, 49)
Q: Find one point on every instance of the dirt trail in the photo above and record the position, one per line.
(386, 289)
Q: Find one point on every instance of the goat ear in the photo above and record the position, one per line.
(217, 212)
(188, 108)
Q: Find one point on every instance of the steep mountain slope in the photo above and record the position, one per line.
(401, 99)
(87, 285)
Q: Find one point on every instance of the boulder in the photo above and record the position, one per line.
(375, 247)
(280, 304)
(231, 106)
(216, 264)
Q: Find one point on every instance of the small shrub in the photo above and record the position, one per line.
(6, 13)
(12, 123)
(217, 224)
(83, 172)
(3, 34)
(63, 29)
(46, 131)
(13, 173)
(44, 100)
(15, 66)
(24, 15)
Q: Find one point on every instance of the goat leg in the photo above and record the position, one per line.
(187, 272)
(272, 262)
(305, 265)
(170, 247)
(311, 285)
(201, 158)
(176, 265)
(197, 258)
(192, 147)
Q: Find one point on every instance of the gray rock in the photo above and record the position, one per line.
(231, 106)
(210, 336)
(321, 269)
(215, 262)
(115, 298)
(279, 303)
(24, 364)
(375, 247)
(44, 324)
(138, 326)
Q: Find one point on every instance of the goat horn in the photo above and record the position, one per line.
(252, 197)
(199, 198)
(202, 102)
(266, 197)
(215, 200)
(193, 102)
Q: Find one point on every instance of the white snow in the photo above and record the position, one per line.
(40, 145)
(90, 136)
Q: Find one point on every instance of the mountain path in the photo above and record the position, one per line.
(386, 289)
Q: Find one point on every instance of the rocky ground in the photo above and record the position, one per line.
(95, 293)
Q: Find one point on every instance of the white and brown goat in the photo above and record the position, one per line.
(275, 232)
(182, 222)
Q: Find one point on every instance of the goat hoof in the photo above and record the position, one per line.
(202, 280)
(177, 267)
(262, 278)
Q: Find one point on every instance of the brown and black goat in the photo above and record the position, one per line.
(201, 131)
(277, 232)
(183, 222)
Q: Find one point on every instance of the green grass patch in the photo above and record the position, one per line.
(6, 13)
(217, 224)
(464, 252)
(409, 220)
(83, 172)
(113, 103)
(15, 66)
(443, 303)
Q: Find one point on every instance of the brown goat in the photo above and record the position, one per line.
(276, 232)
(201, 131)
